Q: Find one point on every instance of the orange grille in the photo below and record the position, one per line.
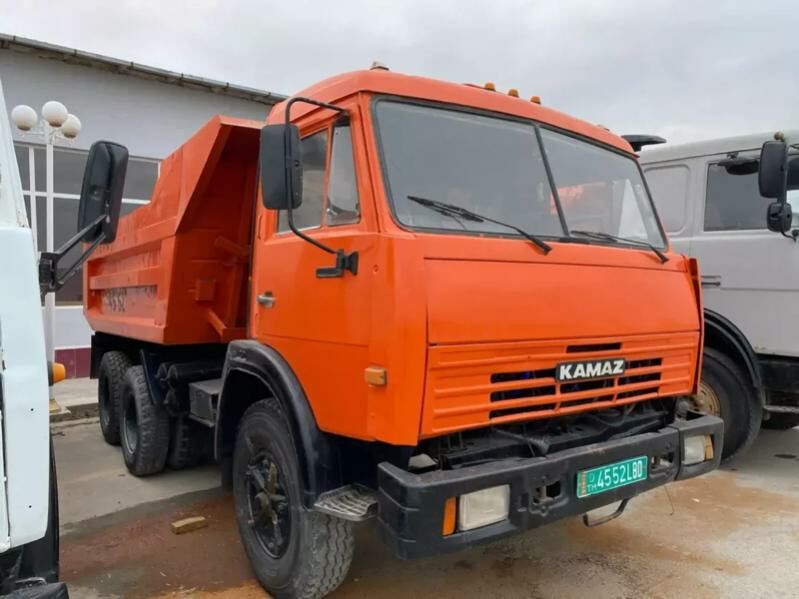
(469, 386)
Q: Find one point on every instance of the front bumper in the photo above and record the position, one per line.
(411, 506)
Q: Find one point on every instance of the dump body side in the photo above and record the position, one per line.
(177, 271)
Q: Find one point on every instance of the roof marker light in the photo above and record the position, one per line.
(513, 92)
(535, 99)
(490, 87)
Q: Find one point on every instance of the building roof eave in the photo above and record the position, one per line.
(115, 65)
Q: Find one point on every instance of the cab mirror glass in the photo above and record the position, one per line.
(280, 163)
(779, 217)
(772, 175)
(101, 190)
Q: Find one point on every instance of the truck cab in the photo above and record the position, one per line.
(29, 536)
(708, 196)
(449, 308)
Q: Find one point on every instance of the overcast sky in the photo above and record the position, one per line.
(683, 70)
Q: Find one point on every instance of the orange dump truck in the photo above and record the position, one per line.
(445, 307)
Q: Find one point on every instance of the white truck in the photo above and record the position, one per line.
(712, 207)
(28, 493)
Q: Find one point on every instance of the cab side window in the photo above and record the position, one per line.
(309, 214)
(733, 202)
(342, 206)
(669, 187)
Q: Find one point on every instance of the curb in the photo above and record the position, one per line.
(76, 411)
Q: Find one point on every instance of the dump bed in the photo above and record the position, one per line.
(177, 271)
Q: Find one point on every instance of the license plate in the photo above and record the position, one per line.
(611, 476)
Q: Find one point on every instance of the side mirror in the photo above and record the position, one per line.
(779, 217)
(740, 166)
(98, 212)
(773, 173)
(280, 162)
(101, 192)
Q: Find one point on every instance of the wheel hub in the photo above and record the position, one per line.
(270, 516)
(706, 401)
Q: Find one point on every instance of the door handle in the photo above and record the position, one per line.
(711, 280)
(266, 299)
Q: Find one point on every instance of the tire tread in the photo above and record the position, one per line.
(152, 448)
(114, 365)
(187, 444)
(332, 540)
(754, 411)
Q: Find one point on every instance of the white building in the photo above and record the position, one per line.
(150, 110)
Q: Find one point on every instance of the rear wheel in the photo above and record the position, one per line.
(725, 392)
(295, 553)
(144, 427)
(189, 443)
(110, 378)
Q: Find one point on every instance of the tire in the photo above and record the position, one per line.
(144, 427)
(188, 443)
(781, 421)
(738, 402)
(317, 549)
(110, 379)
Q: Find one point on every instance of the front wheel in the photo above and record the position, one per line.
(725, 392)
(295, 553)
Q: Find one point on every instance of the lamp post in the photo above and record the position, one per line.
(56, 123)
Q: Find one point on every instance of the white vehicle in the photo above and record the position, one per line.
(710, 203)
(29, 498)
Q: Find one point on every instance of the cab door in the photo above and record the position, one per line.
(749, 274)
(320, 325)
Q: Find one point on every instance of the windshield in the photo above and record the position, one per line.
(600, 190)
(494, 167)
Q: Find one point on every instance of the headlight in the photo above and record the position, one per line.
(484, 507)
(696, 450)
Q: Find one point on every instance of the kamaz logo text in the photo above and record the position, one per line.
(573, 371)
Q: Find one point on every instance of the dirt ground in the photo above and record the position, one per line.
(731, 534)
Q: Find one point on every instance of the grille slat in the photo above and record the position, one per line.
(556, 398)
(470, 386)
(599, 389)
(562, 356)
(524, 384)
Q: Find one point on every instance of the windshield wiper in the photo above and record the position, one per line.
(636, 242)
(457, 212)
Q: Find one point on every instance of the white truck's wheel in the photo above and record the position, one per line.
(728, 395)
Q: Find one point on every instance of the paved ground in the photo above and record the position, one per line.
(77, 398)
(732, 534)
(93, 480)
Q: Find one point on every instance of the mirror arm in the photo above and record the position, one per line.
(74, 240)
(344, 261)
(303, 236)
(79, 262)
(49, 280)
